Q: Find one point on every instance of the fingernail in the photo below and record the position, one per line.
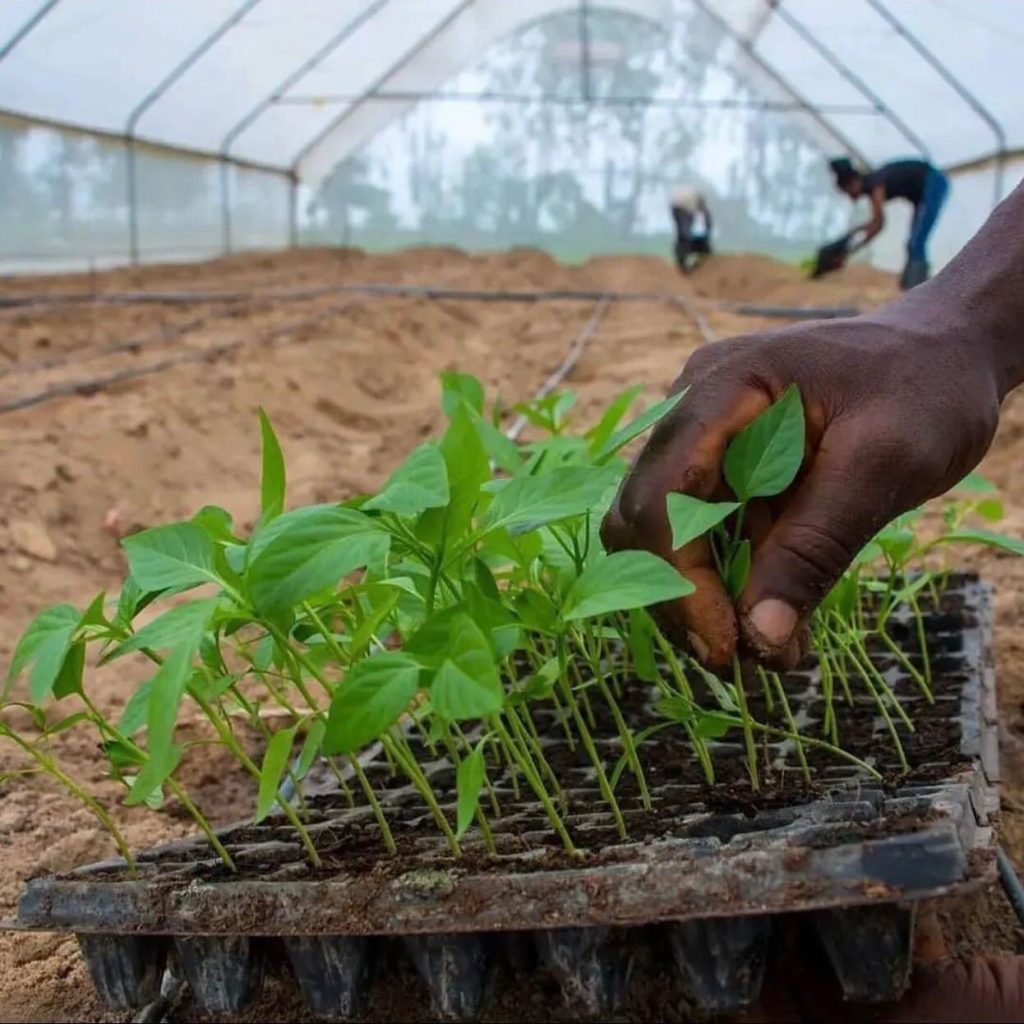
(774, 620)
(698, 646)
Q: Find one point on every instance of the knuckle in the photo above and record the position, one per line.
(818, 554)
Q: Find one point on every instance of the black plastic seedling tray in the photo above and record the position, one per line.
(699, 881)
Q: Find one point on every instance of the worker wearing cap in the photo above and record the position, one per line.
(693, 227)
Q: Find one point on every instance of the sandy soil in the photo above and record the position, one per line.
(351, 384)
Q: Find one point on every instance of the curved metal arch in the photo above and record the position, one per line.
(747, 46)
(24, 30)
(332, 44)
(150, 98)
(851, 76)
(449, 19)
(376, 90)
(926, 54)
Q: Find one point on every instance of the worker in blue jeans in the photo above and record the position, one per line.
(917, 182)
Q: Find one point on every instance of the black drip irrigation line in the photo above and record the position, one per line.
(127, 345)
(14, 302)
(439, 292)
(95, 384)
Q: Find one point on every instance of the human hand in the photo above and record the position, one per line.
(894, 415)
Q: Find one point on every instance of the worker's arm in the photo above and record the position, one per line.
(874, 224)
(899, 404)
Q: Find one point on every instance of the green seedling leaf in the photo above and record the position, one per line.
(640, 641)
(313, 552)
(713, 725)
(95, 614)
(724, 693)
(529, 502)
(691, 518)
(536, 610)
(69, 678)
(127, 603)
(467, 467)
(739, 569)
(459, 388)
(363, 636)
(599, 434)
(275, 761)
(120, 756)
(218, 524)
(136, 711)
(842, 598)
(466, 685)
(421, 482)
(272, 476)
(764, 457)
(66, 723)
(637, 426)
(638, 739)
(212, 688)
(178, 556)
(469, 782)
(624, 580)
(540, 685)
(145, 787)
(369, 699)
(310, 748)
(180, 626)
(990, 509)
(676, 707)
(975, 483)
(503, 452)
(167, 689)
(44, 646)
(989, 538)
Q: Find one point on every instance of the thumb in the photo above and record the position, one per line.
(841, 503)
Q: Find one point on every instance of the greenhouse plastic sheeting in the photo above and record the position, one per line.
(150, 129)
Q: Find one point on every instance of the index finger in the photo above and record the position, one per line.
(685, 455)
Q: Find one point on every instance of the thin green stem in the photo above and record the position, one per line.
(790, 721)
(422, 785)
(625, 734)
(533, 779)
(698, 743)
(49, 765)
(748, 733)
(106, 729)
(588, 745)
(371, 799)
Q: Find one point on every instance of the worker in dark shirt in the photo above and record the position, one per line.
(916, 181)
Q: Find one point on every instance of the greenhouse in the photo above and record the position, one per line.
(145, 131)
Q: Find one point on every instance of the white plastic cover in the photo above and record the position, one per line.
(301, 86)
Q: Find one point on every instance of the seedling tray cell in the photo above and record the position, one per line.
(697, 883)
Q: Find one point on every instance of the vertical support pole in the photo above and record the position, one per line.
(584, 30)
(133, 201)
(225, 206)
(293, 209)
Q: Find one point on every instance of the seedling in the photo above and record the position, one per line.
(437, 618)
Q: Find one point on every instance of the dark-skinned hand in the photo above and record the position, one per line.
(894, 417)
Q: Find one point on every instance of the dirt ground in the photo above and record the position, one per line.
(350, 383)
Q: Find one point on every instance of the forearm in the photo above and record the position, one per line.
(978, 299)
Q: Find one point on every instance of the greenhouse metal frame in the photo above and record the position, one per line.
(859, 73)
